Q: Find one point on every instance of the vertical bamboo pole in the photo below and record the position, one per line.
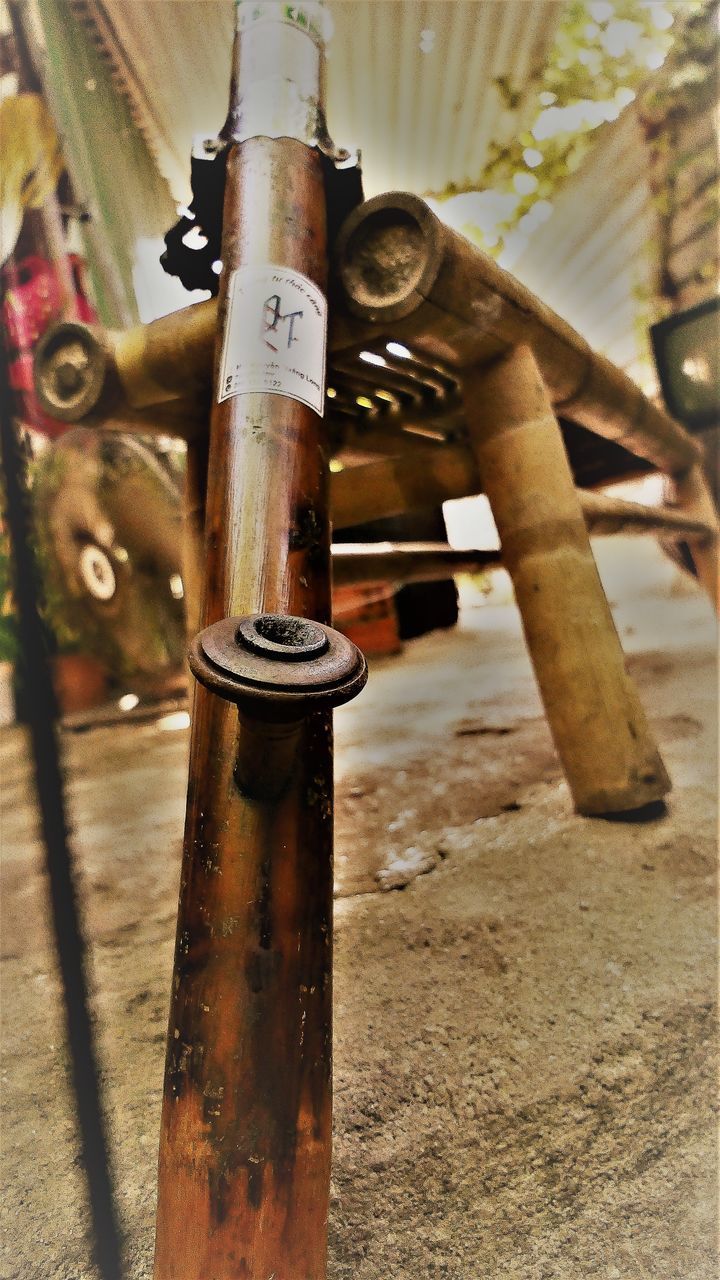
(602, 737)
(245, 1138)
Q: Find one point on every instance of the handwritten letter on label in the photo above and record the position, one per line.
(274, 336)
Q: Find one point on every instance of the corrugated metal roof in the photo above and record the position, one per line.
(596, 257)
(421, 119)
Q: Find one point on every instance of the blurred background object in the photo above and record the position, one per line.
(105, 506)
(107, 518)
(687, 354)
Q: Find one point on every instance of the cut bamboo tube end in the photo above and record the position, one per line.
(610, 758)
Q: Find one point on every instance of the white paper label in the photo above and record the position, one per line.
(275, 336)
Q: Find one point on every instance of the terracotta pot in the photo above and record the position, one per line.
(80, 681)
(365, 612)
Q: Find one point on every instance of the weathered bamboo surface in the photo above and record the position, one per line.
(379, 438)
(606, 515)
(391, 486)
(193, 531)
(600, 730)
(405, 562)
(149, 378)
(430, 476)
(169, 357)
(185, 419)
(404, 275)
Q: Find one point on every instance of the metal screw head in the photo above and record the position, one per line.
(277, 666)
(275, 635)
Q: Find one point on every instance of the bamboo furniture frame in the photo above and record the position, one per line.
(447, 378)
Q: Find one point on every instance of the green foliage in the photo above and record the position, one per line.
(682, 161)
(692, 83)
(603, 52)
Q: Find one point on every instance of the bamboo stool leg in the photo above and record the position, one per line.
(610, 759)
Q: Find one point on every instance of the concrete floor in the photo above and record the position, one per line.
(524, 1041)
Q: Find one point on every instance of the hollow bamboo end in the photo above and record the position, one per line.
(389, 253)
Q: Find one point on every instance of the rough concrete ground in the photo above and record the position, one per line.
(525, 1046)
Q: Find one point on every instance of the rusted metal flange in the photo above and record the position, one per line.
(276, 666)
(69, 371)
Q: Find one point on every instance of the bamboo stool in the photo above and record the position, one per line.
(468, 406)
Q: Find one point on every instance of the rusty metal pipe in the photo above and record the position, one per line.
(245, 1143)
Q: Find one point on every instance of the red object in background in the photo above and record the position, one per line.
(366, 614)
(80, 681)
(32, 301)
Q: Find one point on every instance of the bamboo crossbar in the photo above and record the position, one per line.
(404, 274)
(374, 437)
(168, 358)
(355, 563)
(405, 562)
(605, 515)
(185, 419)
(390, 487)
(393, 486)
